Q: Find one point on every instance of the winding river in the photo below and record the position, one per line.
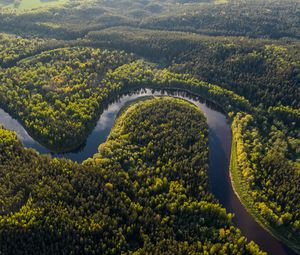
(219, 158)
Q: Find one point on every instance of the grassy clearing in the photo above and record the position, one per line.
(30, 4)
(221, 1)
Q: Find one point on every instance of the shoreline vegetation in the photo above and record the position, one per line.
(126, 77)
(238, 185)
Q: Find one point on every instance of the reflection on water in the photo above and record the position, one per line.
(219, 157)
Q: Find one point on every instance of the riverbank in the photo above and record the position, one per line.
(70, 144)
(220, 143)
(240, 189)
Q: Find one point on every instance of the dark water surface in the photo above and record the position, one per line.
(219, 158)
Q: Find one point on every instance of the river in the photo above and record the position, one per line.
(219, 158)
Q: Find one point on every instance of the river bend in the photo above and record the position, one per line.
(219, 157)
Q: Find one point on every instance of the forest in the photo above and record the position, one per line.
(147, 190)
(134, 196)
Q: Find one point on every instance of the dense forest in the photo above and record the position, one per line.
(232, 62)
(135, 196)
(60, 66)
(57, 89)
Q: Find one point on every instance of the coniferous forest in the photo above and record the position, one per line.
(150, 187)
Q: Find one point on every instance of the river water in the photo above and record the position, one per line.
(219, 158)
